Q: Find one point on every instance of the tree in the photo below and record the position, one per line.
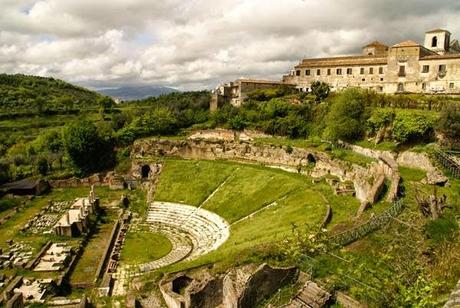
(347, 117)
(321, 90)
(42, 166)
(237, 123)
(449, 122)
(87, 150)
(106, 104)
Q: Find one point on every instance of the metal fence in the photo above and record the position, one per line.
(447, 161)
(368, 227)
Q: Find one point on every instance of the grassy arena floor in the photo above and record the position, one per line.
(277, 201)
(144, 246)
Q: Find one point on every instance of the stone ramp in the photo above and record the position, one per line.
(311, 296)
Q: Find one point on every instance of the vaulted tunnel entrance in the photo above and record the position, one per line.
(145, 171)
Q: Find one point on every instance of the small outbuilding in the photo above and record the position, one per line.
(26, 187)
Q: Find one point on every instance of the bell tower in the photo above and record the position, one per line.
(437, 40)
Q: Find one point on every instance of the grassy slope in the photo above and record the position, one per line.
(190, 182)
(21, 92)
(250, 188)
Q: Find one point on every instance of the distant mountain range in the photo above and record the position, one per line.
(129, 93)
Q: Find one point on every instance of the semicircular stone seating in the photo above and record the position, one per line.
(192, 231)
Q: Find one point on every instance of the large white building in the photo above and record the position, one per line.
(433, 67)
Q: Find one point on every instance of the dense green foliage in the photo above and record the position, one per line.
(347, 115)
(449, 122)
(403, 125)
(410, 126)
(21, 93)
(320, 90)
(87, 149)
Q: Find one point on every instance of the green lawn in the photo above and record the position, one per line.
(249, 189)
(144, 246)
(190, 182)
(412, 174)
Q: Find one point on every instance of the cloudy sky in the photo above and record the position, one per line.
(195, 44)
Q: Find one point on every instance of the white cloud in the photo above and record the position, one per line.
(198, 43)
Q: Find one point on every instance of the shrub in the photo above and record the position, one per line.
(347, 117)
(449, 122)
(42, 166)
(86, 148)
(413, 126)
(321, 90)
(379, 118)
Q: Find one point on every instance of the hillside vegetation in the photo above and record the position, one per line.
(21, 93)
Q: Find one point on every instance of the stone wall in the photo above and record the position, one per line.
(266, 154)
(422, 161)
(241, 287)
(264, 282)
(110, 179)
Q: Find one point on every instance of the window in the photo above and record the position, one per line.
(349, 71)
(364, 79)
(380, 70)
(339, 71)
(423, 86)
(400, 87)
(442, 68)
(434, 41)
(297, 73)
(307, 72)
(425, 69)
(451, 85)
(381, 79)
(402, 71)
(329, 71)
(318, 72)
(361, 71)
(371, 70)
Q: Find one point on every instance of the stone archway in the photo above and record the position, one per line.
(145, 171)
(311, 158)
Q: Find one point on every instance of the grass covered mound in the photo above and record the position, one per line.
(144, 246)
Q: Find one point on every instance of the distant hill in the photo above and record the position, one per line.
(130, 93)
(22, 93)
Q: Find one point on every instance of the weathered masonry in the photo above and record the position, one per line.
(236, 92)
(433, 67)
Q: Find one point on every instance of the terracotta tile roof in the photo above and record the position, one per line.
(437, 30)
(343, 61)
(408, 43)
(375, 43)
(444, 56)
(259, 81)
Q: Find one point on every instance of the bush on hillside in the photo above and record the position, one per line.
(449, 122)
(86, 148)
(347, 115)
(410, 126)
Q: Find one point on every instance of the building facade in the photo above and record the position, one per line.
(433, 67)
(237, 91)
